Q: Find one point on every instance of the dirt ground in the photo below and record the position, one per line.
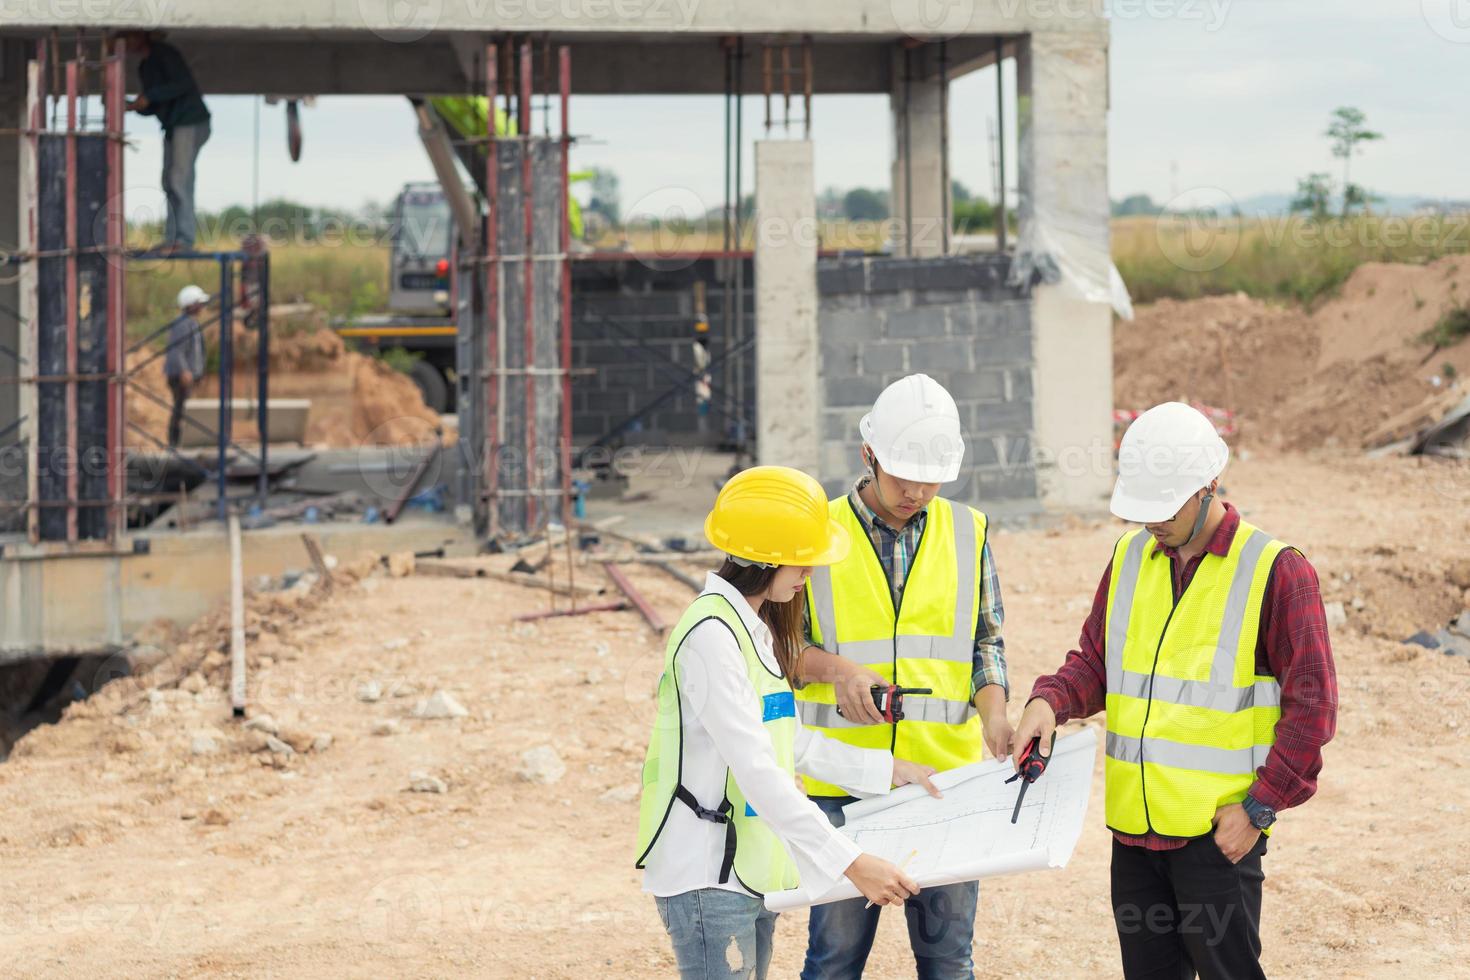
(127, 854)
(1301, 379)
(355, 399)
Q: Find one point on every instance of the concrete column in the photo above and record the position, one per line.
(1062, 86)
(917, 104)
(12, 107)
(788, 399)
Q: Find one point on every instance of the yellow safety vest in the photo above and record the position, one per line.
(1189, 720)
(929, 641)
(753, 852)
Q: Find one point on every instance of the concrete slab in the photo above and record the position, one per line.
(93, 601)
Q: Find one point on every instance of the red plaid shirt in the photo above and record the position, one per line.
(1293, 647)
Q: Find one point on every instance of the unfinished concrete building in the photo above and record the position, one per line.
(804, 339)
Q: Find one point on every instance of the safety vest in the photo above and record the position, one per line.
(753, 852)
(1189, 720)
(928, 641)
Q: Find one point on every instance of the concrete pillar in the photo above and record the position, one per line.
(12, 107)
(918, 104)
(788, 399)
(1062, 86)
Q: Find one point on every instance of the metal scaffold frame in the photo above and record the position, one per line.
(509, 79)
(62, 88)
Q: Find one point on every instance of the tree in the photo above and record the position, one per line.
(958, 193)
(605, 196)
(1135, 204)
(1347, 129)
(1313, 193)
(862, 204)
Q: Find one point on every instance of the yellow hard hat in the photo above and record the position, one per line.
(775, 515)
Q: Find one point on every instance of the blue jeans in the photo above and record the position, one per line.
(941, 920)
(718, 934)
(181, 147)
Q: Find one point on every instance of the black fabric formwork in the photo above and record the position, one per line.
(53, 214)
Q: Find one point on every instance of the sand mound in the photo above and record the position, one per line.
(1300, 379)
(355, 399)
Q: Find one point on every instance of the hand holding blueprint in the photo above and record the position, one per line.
(969, 834)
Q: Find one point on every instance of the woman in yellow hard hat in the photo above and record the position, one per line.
(722, 820)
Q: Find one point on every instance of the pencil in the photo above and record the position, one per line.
(902, 867)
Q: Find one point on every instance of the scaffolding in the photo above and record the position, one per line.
(514, 306)
(73, 363)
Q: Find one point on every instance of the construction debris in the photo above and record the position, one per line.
(541, 765)
(440, 705)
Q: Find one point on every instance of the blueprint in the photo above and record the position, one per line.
(968, 834)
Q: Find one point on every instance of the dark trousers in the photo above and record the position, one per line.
(1188, 911)
(176, 416)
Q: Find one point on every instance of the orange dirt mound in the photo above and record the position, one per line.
(1300, 379)
(355, 399)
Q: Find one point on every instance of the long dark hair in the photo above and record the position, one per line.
(783, 619)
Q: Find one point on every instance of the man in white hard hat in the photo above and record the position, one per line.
(915, 604)
(1207, 644)
(184, 361)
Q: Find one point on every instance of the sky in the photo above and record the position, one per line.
(1228, 94)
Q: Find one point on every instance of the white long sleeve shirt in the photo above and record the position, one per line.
(722, 730)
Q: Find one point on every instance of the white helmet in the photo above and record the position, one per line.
(1167, 454)
(190, 295)
(914, 430)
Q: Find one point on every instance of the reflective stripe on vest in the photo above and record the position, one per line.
(1188, 720)
(753, 852)
(928, 642)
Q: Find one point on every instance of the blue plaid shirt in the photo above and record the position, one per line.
(896, 550)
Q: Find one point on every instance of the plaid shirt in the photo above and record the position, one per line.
(896, 550)
(1292, 646)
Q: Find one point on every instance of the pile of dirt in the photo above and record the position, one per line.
(355, 399)
(1300, 379)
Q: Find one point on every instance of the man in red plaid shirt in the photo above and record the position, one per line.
(1207, 645)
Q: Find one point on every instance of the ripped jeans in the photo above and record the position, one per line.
(718, 934)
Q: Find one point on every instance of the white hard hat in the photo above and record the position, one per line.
(914, 430)
(190, 295)
(1167, 454)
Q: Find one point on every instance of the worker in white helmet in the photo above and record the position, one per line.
(1207, 644)
(893, 613)
(183, 363)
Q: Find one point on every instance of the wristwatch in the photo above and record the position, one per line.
(1261, 815)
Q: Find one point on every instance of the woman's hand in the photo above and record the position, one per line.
(881, 882)
(905, 772)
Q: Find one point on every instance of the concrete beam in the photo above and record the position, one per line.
(589, 18)
(1062, 93)
(289, 66)
(180, 576)
(788, 397)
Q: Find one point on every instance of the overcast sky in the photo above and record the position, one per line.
(1234, 93)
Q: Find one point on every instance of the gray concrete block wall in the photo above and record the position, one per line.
(616, 301)
(952, 318)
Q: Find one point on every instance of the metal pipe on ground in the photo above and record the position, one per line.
(237, 622)
(655, 619)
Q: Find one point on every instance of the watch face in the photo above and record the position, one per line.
(1264, 818)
